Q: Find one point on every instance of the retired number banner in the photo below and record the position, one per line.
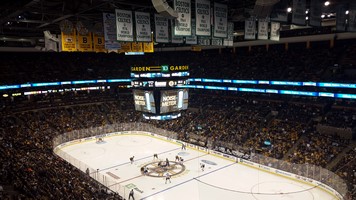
(109, 24)
(124, 26)
(85, 42)
(69, 41)
(220, 20)
(161, 29)
(202, 15)
(229, 41)
(183, 24)
(143, 27)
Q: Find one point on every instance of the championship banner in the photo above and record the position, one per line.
(341, 17)
(175, 39)
(124, 26)
(143, 27)
(279, 12)
(148, 47)
(352, 17)
(229, 41)
(192, 39)
(98, 42)
(250, 29)
(69, 41)
(85, 42)
(202, 16)
(126, 47)
(315, 13)
(182, 25)
(275, 30)
(136, 47)
(204, 41)
(161, 29)
(298, 14)
(109, 24)
(262, 29)
(217, 41)
(220, 20)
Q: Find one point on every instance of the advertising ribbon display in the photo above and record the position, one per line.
(182, 25)
(143, 27)
(124, 26)
(220, 20)
(202, 15)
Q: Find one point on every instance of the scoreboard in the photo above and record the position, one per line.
(156, 91)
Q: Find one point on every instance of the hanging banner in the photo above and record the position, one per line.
(126, 47)
(175, 39)
(262, 29)
(85, 42)
(229, 41)
(98, 42)
(109, 24)
(143, 27)
(148, 47)
(216, 41)
(182, 25)
(220, 20)
(250, 29)
(279, 12)
(275, 30)
(298, 12)
(69, 41)
(161, 29)
(315, 13)
(202, 16)
(352, 17)
(136, 47)
(341, 17)
(124, 26)
(203, 41)
(192, 39)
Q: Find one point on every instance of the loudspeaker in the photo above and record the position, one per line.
(164, 9)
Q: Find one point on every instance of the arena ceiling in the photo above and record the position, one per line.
(29, 18)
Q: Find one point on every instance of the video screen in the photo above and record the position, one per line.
(173, 100)
(144, 101)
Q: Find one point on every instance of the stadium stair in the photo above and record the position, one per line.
(339, 157)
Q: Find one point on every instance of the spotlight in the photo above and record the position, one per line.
(306, 18)
(307, 11)
(327, 3)
(347, 12)
(323, 16)
(289, 9)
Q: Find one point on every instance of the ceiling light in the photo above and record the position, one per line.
(307, 11)
(306, 18)
(347, 12)
(327, 3)
(289, 9)
(322, 16)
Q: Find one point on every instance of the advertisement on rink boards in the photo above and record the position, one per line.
(124, 25)
(220, 20)
(143, 27)
(161, 29)
(182, 25)
(203, 18)
(109, 25)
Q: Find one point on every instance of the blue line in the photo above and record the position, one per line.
(136, 160)
(188, 181)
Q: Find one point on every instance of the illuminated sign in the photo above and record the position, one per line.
(163, 68)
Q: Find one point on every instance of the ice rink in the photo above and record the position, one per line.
(221, 178)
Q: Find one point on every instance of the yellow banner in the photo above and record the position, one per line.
(196, 48)
(148, 47)
(69, 41)
(99, 44)
(126, 47)
(136, 47)
(85, 43)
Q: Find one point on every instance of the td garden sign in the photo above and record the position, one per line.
(163, 68)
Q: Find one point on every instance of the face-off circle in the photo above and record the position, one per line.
(159, 169)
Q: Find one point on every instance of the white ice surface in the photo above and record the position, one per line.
(225, 180)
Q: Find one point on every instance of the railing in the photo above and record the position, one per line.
(306, 172)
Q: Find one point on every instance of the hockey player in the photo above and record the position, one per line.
(155, 156)
(167, 162)
(168, 178)
(131, 195)
(183, 146)
(132, 159)
(177, 158)
(202, 166)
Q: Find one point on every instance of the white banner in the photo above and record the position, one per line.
(182, 25)
(175, 39)
(109, 24)
(202, 15)
(217, 42)
(203, 41)
(192, 39)
(220, 20)
(315, 13)
(250, 29)
(262, 29)
(352, 17)
(229, 41)
(143, 27)
(275, 28)
(298, 14)
(124, 25)
(161, 29)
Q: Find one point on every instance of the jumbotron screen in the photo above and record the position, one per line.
(173, 100)
(144, 101)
